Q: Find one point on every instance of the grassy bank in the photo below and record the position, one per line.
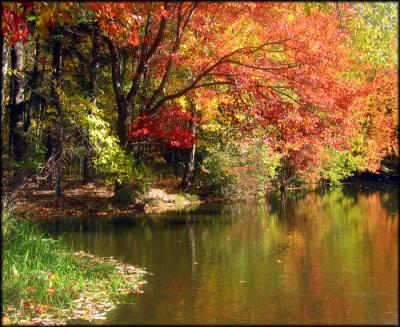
(43, 281)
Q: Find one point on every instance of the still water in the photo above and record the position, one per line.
(311, 257)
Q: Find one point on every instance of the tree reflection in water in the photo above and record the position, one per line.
(309, 257)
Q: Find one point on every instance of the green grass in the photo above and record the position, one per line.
(39, 270)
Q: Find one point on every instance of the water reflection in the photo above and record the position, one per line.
(310, 257)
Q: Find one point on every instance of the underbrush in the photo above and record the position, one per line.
(42, 278)
(234, 172)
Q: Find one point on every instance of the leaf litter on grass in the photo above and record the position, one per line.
(92, 304)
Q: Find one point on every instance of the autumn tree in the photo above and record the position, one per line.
(280, 77)
(15, 30)
(158, 76)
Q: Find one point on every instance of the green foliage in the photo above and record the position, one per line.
(264, 165)
(7, 224)
(124, 193)
(110, 160)
(310, 7)
(227, 162)
(40, 269)
(215, 177)
(36, 150)
(341, 164)
(235, 169)
(375, 31)
(128, 191)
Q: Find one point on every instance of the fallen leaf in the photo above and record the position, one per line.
(39, 309)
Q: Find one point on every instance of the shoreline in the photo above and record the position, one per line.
(88, 307)
(96, 201)
(54, 285)
(39, 203)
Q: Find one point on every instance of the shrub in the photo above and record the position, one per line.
(239, 169)
(340, 164)
(215, 177)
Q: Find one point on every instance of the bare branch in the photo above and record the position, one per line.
(270, 69)
(190, 15)
(145, 59)
(116, 73)
(207, 71)
(183, 92)
(168, 70)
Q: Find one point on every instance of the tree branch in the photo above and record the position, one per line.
(182, 92)
(207, 71)
(116, 74)
(168, 70)
(145, 59)
(271, 69)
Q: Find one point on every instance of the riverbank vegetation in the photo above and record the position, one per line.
(230, 100)
(45, 282)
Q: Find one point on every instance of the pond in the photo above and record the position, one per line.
(307, 258)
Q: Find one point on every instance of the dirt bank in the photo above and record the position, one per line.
(97, 200)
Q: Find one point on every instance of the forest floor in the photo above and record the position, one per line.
(39, 202)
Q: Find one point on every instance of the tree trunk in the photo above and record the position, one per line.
(123, 107)
(54, 137)
(283, 176)
(122, 191)
(188, 177)
(17, 143)
(34, 98)
(88, 171)
(4, 66)
(122, 126)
